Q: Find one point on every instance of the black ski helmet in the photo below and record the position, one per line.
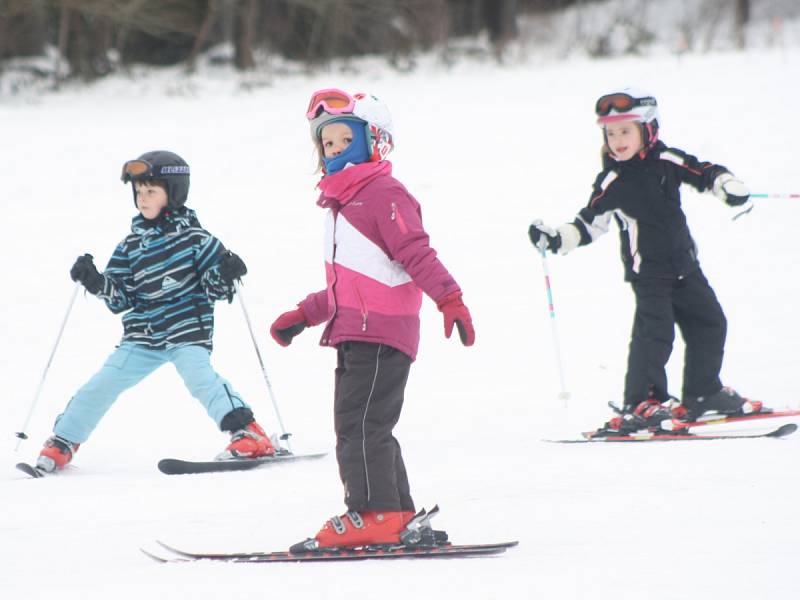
(163, 166)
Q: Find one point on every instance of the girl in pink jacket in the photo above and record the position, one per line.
(377, 262)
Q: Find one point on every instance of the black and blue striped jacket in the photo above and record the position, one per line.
(166, 274)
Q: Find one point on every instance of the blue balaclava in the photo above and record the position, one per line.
(358, 150)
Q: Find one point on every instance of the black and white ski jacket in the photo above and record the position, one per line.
(166, 274)
(643, 196)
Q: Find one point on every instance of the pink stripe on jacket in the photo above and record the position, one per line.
(377, 261)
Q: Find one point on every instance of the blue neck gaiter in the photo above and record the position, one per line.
(356, 153)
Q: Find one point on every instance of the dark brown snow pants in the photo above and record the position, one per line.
(368, 398)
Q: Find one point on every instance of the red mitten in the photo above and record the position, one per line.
(288, 325)
(456, 313)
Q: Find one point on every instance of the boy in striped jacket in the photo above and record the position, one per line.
(165, 276)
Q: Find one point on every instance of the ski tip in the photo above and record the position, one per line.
(156, 558)
(30, 470)
(784, 430)
(500, 547)
(172, 549)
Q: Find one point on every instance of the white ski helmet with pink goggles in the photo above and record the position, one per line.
(630, 104)
(331, 104)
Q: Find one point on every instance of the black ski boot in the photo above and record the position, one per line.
(726, 401)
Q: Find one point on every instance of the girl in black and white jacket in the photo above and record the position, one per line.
(639, 188)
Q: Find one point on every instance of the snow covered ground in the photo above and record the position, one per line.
(485, 150)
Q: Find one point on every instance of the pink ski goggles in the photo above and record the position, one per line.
(331, 101)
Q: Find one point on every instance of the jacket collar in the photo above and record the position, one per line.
(338, 189)
(171, 221)
(609, 162)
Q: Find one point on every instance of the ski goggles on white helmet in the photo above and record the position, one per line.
(332, 101)
(138, 169)
(624, 106)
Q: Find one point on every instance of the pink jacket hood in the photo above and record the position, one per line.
(341, 187)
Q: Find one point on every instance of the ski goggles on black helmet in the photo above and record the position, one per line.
(621, 103)
(331, 101)
(137, 170)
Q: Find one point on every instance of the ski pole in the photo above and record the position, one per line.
(744, 209)
(564, 395)
(748, 206)
(21, 434)
(775, 195)
(284, 436)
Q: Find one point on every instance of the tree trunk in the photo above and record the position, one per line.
(24, 28)
(63, 38)
(742, 17)
(212, 11)
(246, 20)
(500, 17)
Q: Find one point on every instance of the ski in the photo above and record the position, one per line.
(30, 470)
(418, 540)
(174, 466)
(717, 419)
(760, 418)
(364, 553)
(668, 436)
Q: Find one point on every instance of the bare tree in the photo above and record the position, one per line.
(245, 33)
(23, 27)
(500, 18)
(741, 19)
(311, 31)
(211, 16)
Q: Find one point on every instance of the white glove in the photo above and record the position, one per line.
(562, 240)
(543, 236)
(730, 190)
(570, 238)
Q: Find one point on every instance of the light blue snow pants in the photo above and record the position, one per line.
(127, 366)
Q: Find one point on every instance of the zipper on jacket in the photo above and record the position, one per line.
(396, 216)
(334, 280)
(364, 312)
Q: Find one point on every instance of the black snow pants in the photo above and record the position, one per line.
(660, 304)
(368, 397)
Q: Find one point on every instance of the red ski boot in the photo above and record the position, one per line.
(250, 442)
(648, 415)
(56, 454)
(355, 529)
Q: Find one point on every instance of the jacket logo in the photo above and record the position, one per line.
(168, 282)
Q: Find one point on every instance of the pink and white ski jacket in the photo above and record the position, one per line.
(377, 261)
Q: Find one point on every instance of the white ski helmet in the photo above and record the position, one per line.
(630, 104)
(332, 104)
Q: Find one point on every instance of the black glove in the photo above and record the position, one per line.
(231, 268)
(543, 236)
(84, 271)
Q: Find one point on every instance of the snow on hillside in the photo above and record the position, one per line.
(647, 27)
(485, 150)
